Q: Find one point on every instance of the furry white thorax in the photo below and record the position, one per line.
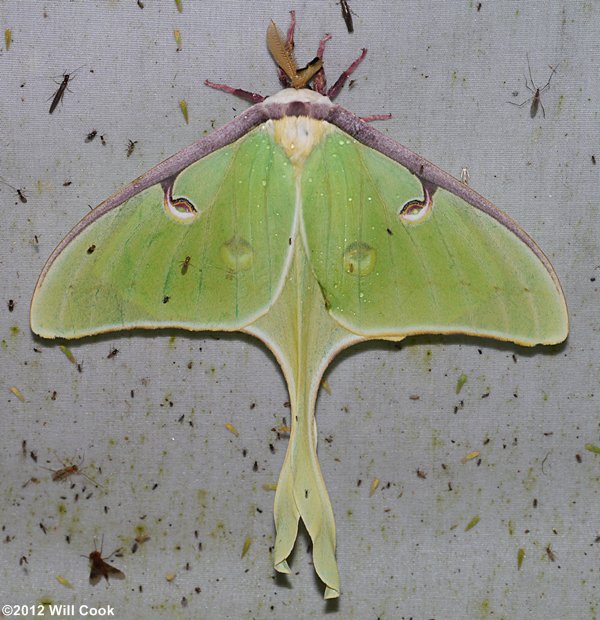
(298, 135)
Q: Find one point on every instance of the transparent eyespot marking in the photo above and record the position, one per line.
(237, 254)
(359, 259)
(179, 208)
(417, 211)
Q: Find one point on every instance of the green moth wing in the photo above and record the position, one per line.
(300, 224)
(205, 248)
(396, 255)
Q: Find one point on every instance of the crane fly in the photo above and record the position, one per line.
(536, 97)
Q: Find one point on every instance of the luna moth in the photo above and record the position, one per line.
(304, 226)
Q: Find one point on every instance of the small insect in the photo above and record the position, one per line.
(185, 264)
(131, 147)
(140, 4)
(103, 140)
(551, 555)
(11, 305)
(536, 97)
(112, 353)
(64, 472)
(69, 469)
(64, 582)
(470, 456)
(91, 249)
(184, 110)
(7, 38)
(594, 159)
(177, 37)
(465, 177)
(91, 135)
(232, 429)
(17, 392)
(100, 568)
(246, 546)
(67, 183)
(179, 4)
(62, 88)
(472, 523)
(347, 15)
(20, 192)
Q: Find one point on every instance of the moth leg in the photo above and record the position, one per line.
(320, 81)
(333, 92)
(290, 32)
(238, 92)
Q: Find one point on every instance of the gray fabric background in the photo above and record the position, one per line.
(445, 70)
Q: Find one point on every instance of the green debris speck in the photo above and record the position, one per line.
(520, 557)
(68, 353)
(472, 523)
(511, 528)
(436, 441)
(14, 330)
(590, 447)
(246, 546)
(461, 381)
